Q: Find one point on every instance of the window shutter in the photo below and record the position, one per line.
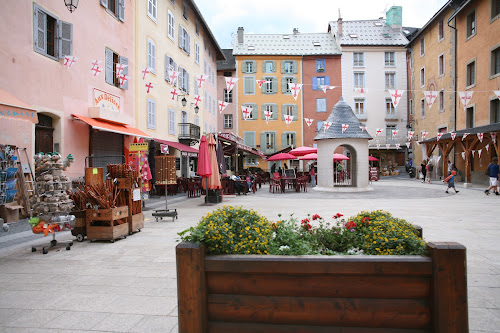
(294, 80)
(124, 61)
(249, 85)
(109, 67)
(181, 36)
(274, 66)
(187, 43)
(250, 139)
(263, 146)
(65, 42)
(295, 67)
(263, 109)
(255, 111)
(264, 66)
(327, 80)
(254, 66)
(275, 112)
(167, 63)
(295, 112)
(284, 85)
(274, 85)
(104, 3)
(315, 83)
(40, 27)
(294, 139)
(121, 10)
(283, 140)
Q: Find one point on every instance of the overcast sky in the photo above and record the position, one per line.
(281, 16)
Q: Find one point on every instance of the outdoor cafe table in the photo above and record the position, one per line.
(286, 180)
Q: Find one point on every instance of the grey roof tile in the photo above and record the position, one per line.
(368, 33)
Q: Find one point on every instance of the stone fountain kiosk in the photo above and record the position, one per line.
(354, 138)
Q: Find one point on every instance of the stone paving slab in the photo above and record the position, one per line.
(130, 285)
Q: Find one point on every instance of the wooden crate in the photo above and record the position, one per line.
(137, 223)
(110, 214)
(111, 231)
(94, 176)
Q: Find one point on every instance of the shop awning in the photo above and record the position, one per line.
(234, 142)
(106, 126)
(179, 146)
(11, 107)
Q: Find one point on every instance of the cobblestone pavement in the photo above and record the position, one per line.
(130, 285)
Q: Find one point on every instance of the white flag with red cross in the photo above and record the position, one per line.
(123, 78)
(308, 121)
(396, 96)
(479, 152)
(464, 136)
(247, 111)
(439, 135)
(149, 86)
(295, 88)
(493, 137)
(261, 82)
(69, 61)
(197, 99)
(430, 97)
(465, 97)
(424, 134)
(173, 75)
(145, 71)
(378, 145)
(326, 125)
(394, 133)
(267, 115)
(463, 155)
(230, 83)
(119, 68)
(453, 135)
(407, 145)
(480, 136)
(222, 105)
(378, 131)
(398, 145)
(288, 119)
(200, 79)
(360, 90)
(344, 127)
(174, 93)
(363, 128)
(96, 69)
(497, 92)
(387, 145)
(410, 135)
(325, 88)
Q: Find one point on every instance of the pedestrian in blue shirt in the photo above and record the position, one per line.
(493, 170)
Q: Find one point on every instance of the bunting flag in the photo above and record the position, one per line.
(398, 145)
(295, 88)
(360, 90)
(410, 135)
(267, 115)
(149, 86)
(197, 99)
(479, 152)
(325, 88)
(119, 69)
(326, 125)
(378, 145)
(394, 133)
(408, 145)
(222, 105)
(173, 75)
(430, 97)
(309, 121)
(465, 135)
(493, 137)
(69, 61)
(473, 151)
(230, 83)
(387, 145)
(200, 79)
(246, 110)
(363, 128)
(344, 127)
(95, 67)
(418, 143)
(378, 131)
(463, 155)
(453, 135)
(424, 134)
(480, 136)
(261, 82)
(174, 93)
(497, 92)
(288, 119)
(487, 148)
(123, 79)
(145, 71)
(396, 96)
(465, 97)
(439, 135)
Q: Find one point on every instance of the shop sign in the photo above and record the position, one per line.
(188, 154)
(164, 149)
(138, 146)
(106, 100)
(231, 137)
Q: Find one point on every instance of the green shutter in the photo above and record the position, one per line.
(295, 67)
(283, 140)
(254, 66)
(263, 141)
(274, 66)
(274, 85)
(295, 113)
(255, 112)
(283, 85)
(275, 112)
(283, 66)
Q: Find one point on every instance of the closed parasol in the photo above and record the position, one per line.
(214, 178)
(220, 159)
(204, 169)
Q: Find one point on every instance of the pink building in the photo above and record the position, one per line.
(227, 120)
(79, 113)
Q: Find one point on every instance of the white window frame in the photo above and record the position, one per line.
(422, 77)
(422, 46)
(171, 26)
(152, 10)
(151, 55)
(197, 53)
(390, 110)
(290, 139)
(359, 107)
(171, 121)
(228, 96)
(441, 65)
(362, 75)
(228, 121)
(186, 37)
(388, 76)
(358, 59)
(470, 84)
(289, 64)
(390, 63)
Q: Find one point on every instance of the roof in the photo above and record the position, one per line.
(298, 44)
(342, 114)
(368, 32)
(107, 126)
(434, 17)
(229, 63)
(480, 129)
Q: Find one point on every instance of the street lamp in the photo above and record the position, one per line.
(71, 5)
(196, 109)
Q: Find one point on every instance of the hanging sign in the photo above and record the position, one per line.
(164, 149)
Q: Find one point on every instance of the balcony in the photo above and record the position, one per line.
(189, 134)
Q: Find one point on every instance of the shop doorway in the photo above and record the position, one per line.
(44, 134)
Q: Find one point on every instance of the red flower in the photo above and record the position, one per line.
(365, 220)
(336, 216)
(350, 225)
(316, 217)
(304, 221)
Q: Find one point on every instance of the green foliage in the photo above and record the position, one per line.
(289, 238)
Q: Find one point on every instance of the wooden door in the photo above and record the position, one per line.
(44, 139)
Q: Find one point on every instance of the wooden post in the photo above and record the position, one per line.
(449, 287)
(191, 288)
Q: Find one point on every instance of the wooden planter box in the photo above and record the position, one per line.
(348, 294)
(110, 232)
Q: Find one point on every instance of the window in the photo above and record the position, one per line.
(422, 108)
(320, 65)
(228, 96)
(290, 110)
(441, 65)
(151, 60)
(390, 58)
(171, 121)
(469, 117)
(197, 52)
(319, 125)
(422, 77)
(250, 160)
(269, 66)
(183, 80)
(359, 106)
(195, 85)
(494, 111)
(115, 8)
(151, 113)
(271, 108)
(471, 74)
(441, 101)
(112, 59)
(249, 85)
(185, 10)
(184, 40)
(170, 65)
(51, 37)
(228, 121)
(495, 61)
(422, 47)
(289, 67)
(288, 139)
(197, 28)
(152, 9)
(249, 138)
(358, 59)
(388, 132)
(320, 104)
(471, 24)
(270, 87)
(495, 9)
(359, 80)
(390, 80)
(389, 108)
(286, 87)
(228, 74)
(269, 144)
(440, 30)
(319, 81)
(254, 113)
(171, 26)
(249, 66)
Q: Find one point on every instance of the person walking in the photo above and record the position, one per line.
(313, 176)
(451, 181)
(429, 168)
(423, 170)
(493, 170)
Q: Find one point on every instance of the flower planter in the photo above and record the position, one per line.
(258, 293)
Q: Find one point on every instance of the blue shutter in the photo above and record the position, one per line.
(109, 66)
(104, 3)
(295, 112)
(263, 141)
(315, 83)
(121, 10)
(327, 80)
(65, 34)
(255, 112)
(275, 112)
(124, 61)
(40, 30)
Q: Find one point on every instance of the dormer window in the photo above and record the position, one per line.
(387, 35)
(251, 48)
(353, 35)
(286, 37)
(316, 43)
(378, 24)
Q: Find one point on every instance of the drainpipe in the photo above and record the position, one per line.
(455, 78)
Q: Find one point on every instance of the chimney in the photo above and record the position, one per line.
(339, 25)
(295, 31)
(240, 35)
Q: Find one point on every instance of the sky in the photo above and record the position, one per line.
(281, 16)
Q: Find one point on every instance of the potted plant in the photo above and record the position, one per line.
(239, 272)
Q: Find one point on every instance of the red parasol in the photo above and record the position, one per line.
(312, 156)
(204, 169)
(372, 159)
(301, 151)
(340, 157)
(282, 157)
(213, 181)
